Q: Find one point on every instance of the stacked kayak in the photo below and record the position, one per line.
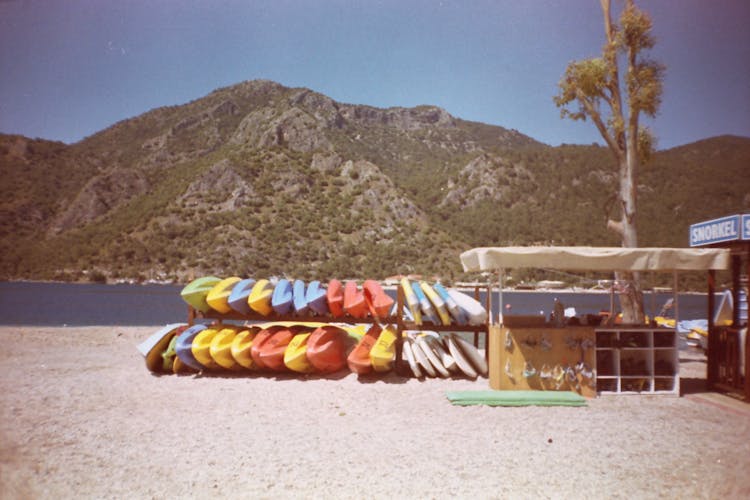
(425, 303)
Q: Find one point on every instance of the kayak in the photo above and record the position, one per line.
(184, 346)
(153, 348)
(428, 312)
(437, 302)
(295, 355)
(316, 298)
(238, 298)
(218, 296)
(476, 313)
(281, 300)
(271, 352)
(260, 339)
(221, 349)
(335, 297)
(455, 311)
(241, 346)
(259, 299)
(359, 359)
(354, 300)
(202, 345)
(300, 300)
(326, 349)
(195, 292)
(412, 301)
(383, 352)
(378, 302)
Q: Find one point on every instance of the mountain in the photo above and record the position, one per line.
(259, 179)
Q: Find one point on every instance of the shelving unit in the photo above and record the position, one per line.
(637, 361)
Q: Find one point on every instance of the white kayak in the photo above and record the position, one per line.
(476, 313)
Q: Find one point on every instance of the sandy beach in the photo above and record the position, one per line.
(81, 417)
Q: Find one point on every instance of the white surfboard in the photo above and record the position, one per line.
(446, 359)
(422, 359)
(474, 310)
(413, 365)
(473, 354)
(433, 357)
(462, 361)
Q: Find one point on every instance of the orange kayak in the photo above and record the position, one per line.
(359, 359)
(261, 339)
(326, 349)
(354, 300)
(271, 353)
(335, 296)
(377, 300)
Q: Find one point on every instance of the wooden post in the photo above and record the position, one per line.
(746, 379)
(398, 362)
(712, 368)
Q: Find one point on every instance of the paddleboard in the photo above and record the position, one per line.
(412, 302)
(359, 359)
(354, 300)
(437, 302)
(383, 352)
(295, 355)
(378, 302)
(475, 312)
(221, 349)
(326, 349)
(259, 299)
(184, 346)
(462, 361)
(445, 358)
(410, 357)
(432, 356)
(422, 359)
(455, 311)
(428, 312)
(238, 298)
(195, 292)
(218, 296)
(335, 297)
(472, 354)
(241, 347)
(202, 345)
(281, 300)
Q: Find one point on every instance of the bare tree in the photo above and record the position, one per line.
(595, 86)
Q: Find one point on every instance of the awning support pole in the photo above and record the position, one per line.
(500, 279)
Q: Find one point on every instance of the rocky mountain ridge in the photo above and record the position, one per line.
(261, 179)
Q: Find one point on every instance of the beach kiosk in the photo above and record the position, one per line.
(527, 353)
(728, 349)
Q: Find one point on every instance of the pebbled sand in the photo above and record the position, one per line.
(81, 417)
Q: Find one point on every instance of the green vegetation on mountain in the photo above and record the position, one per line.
(258, 179)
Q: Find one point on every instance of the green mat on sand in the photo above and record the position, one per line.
(515, 398)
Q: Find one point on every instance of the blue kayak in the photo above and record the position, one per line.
(300, 299)
(316, 298)
(237, 300)
(184, 345)
(281, 300)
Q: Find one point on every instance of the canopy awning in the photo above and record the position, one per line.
(595, 258)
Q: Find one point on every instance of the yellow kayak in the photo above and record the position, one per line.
(218, 295)
(221, 349)
(383, 352)
(437, 301)
(412, 301)
(241, 346)
(259, 299)
(201, 347)
(295, 355)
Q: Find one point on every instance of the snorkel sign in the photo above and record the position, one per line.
(730, 228)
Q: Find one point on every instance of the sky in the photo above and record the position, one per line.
(71, 68)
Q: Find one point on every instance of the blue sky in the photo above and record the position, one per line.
(71, 68)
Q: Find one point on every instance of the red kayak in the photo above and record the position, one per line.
(359, 359)
(326, 349)
(335, 296)
(261, 339)
(271, 352)
(354, 300)
(379, 302)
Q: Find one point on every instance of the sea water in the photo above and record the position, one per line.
(73, 304)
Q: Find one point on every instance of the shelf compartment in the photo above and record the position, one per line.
(635, 363)
(664, 384)
(665, 339)
(635, 339)
(606, 339)
(606, 363)
(606, 385)
(635, 384)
